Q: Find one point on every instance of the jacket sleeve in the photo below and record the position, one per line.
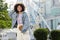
(26, 24)
(10, 12)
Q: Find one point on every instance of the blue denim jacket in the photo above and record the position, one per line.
(26, 25)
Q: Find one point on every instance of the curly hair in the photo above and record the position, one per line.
(22, 6)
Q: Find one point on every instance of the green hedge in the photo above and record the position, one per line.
(41, 34)
(5, 21)
(55, 35)
(5, 24)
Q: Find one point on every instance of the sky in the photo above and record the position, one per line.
(8, 1)
(11, 2)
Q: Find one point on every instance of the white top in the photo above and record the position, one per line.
(19, 19)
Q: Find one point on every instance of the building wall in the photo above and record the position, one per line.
(48, 8)
(52, 10)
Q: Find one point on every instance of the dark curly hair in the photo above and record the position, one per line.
(22, 6)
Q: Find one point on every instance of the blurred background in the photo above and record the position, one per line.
(41, 13)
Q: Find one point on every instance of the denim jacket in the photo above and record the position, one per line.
(13, 16)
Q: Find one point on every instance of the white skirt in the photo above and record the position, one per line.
(23, 36)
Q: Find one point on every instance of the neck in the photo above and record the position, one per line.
(20, 12)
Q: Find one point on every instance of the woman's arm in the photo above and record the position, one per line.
(20, 26)
(10, 12)
(26, 23)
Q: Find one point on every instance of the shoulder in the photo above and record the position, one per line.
(24, 13)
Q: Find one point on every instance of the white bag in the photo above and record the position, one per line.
(23, 36)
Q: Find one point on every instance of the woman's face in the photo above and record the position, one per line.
(19, 8)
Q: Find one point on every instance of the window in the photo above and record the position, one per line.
(56, 3)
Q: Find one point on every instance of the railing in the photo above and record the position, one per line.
(6, 34)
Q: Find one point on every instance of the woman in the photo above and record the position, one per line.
(20, 19)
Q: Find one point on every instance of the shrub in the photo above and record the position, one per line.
(5, 21)
(55, 35)
(41, 34)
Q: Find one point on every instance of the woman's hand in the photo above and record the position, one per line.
(20, 26)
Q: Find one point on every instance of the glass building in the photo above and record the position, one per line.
(45, 13)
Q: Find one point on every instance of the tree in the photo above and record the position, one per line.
(5, 21)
